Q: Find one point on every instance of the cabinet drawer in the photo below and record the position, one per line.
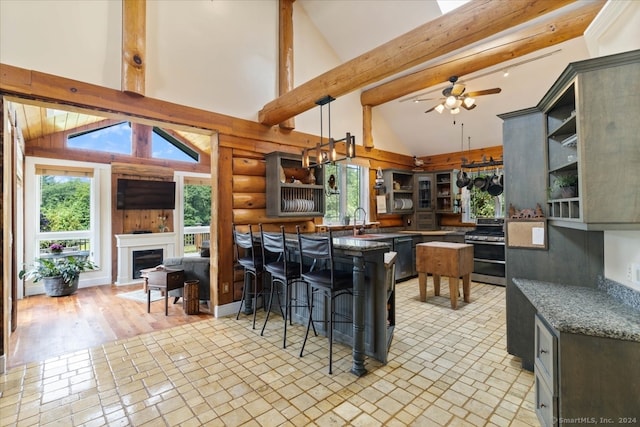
(175, 280)
(545, 361)
(546, 407)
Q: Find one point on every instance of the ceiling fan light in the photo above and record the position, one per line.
(440, 108)
(450, 102)
(455, 110)
(468, 101)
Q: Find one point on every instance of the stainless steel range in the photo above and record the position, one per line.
(488, 251)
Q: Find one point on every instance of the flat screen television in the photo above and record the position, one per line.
(144, 194)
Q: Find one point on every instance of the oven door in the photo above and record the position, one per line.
(493, 251)
(488, 262)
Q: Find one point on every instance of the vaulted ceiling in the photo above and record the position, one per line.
(355, 27)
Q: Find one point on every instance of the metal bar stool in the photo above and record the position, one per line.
(283, 272)
(324, 279)
(252, 263)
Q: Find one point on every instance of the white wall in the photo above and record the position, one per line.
(621, 250)
(218, 55)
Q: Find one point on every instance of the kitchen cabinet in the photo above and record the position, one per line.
(592, 130)
(399, 186)
(585, 347)
(293, 191)
(424, 217)
(584, 377)
(445, 191)
(405, 263)
(546, 390)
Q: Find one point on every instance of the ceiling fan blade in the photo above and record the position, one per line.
(484, 92)
(431, 109)
(463, 105)
(457, 89)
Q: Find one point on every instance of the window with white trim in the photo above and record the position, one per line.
(347, 193)
(64, 205)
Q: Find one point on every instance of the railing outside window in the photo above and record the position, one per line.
(193, 238)
(71, 240)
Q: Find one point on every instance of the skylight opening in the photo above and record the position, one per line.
(447, 6)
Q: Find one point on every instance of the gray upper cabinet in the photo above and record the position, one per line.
(445, 190)
(399, 191)
(593, 144)
(293, 191)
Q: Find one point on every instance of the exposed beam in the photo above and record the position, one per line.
(134, 42)
(285, 63)
(367, 135)
(548, 33)
(469, 24)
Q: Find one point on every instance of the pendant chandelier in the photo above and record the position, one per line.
(326, 152)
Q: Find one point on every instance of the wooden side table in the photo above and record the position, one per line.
(453, 260)
(163, 280)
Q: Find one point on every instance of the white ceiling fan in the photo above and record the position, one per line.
(454, 97)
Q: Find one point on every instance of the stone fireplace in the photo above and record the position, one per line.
(127, 244)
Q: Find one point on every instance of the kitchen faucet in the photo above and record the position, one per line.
(356, 230)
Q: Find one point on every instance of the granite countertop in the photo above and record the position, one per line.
(581, 310)
(345, 242)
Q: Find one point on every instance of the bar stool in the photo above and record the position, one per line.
(283, 272)
(325, 279)
(252, 263)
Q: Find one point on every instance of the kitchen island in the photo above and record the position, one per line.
(371, 307)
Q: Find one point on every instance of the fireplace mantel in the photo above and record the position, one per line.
(127, 243)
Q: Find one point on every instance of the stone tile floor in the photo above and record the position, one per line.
(446, 368)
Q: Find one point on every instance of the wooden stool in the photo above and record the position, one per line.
(453, 260)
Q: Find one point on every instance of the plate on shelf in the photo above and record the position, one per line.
(573, 114)
(571, 141)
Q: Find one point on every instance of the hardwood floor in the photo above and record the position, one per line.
(52, 326)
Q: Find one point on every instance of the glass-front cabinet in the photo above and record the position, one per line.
(424, 216)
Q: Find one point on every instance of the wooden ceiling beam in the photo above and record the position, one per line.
(548, 33)
(134, 43)
(285, 56)
(471, 23)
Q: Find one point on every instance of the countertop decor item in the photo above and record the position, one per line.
(59, 275)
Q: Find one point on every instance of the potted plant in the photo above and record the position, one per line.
(56, 248)
(59, 275)
(564, 186)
